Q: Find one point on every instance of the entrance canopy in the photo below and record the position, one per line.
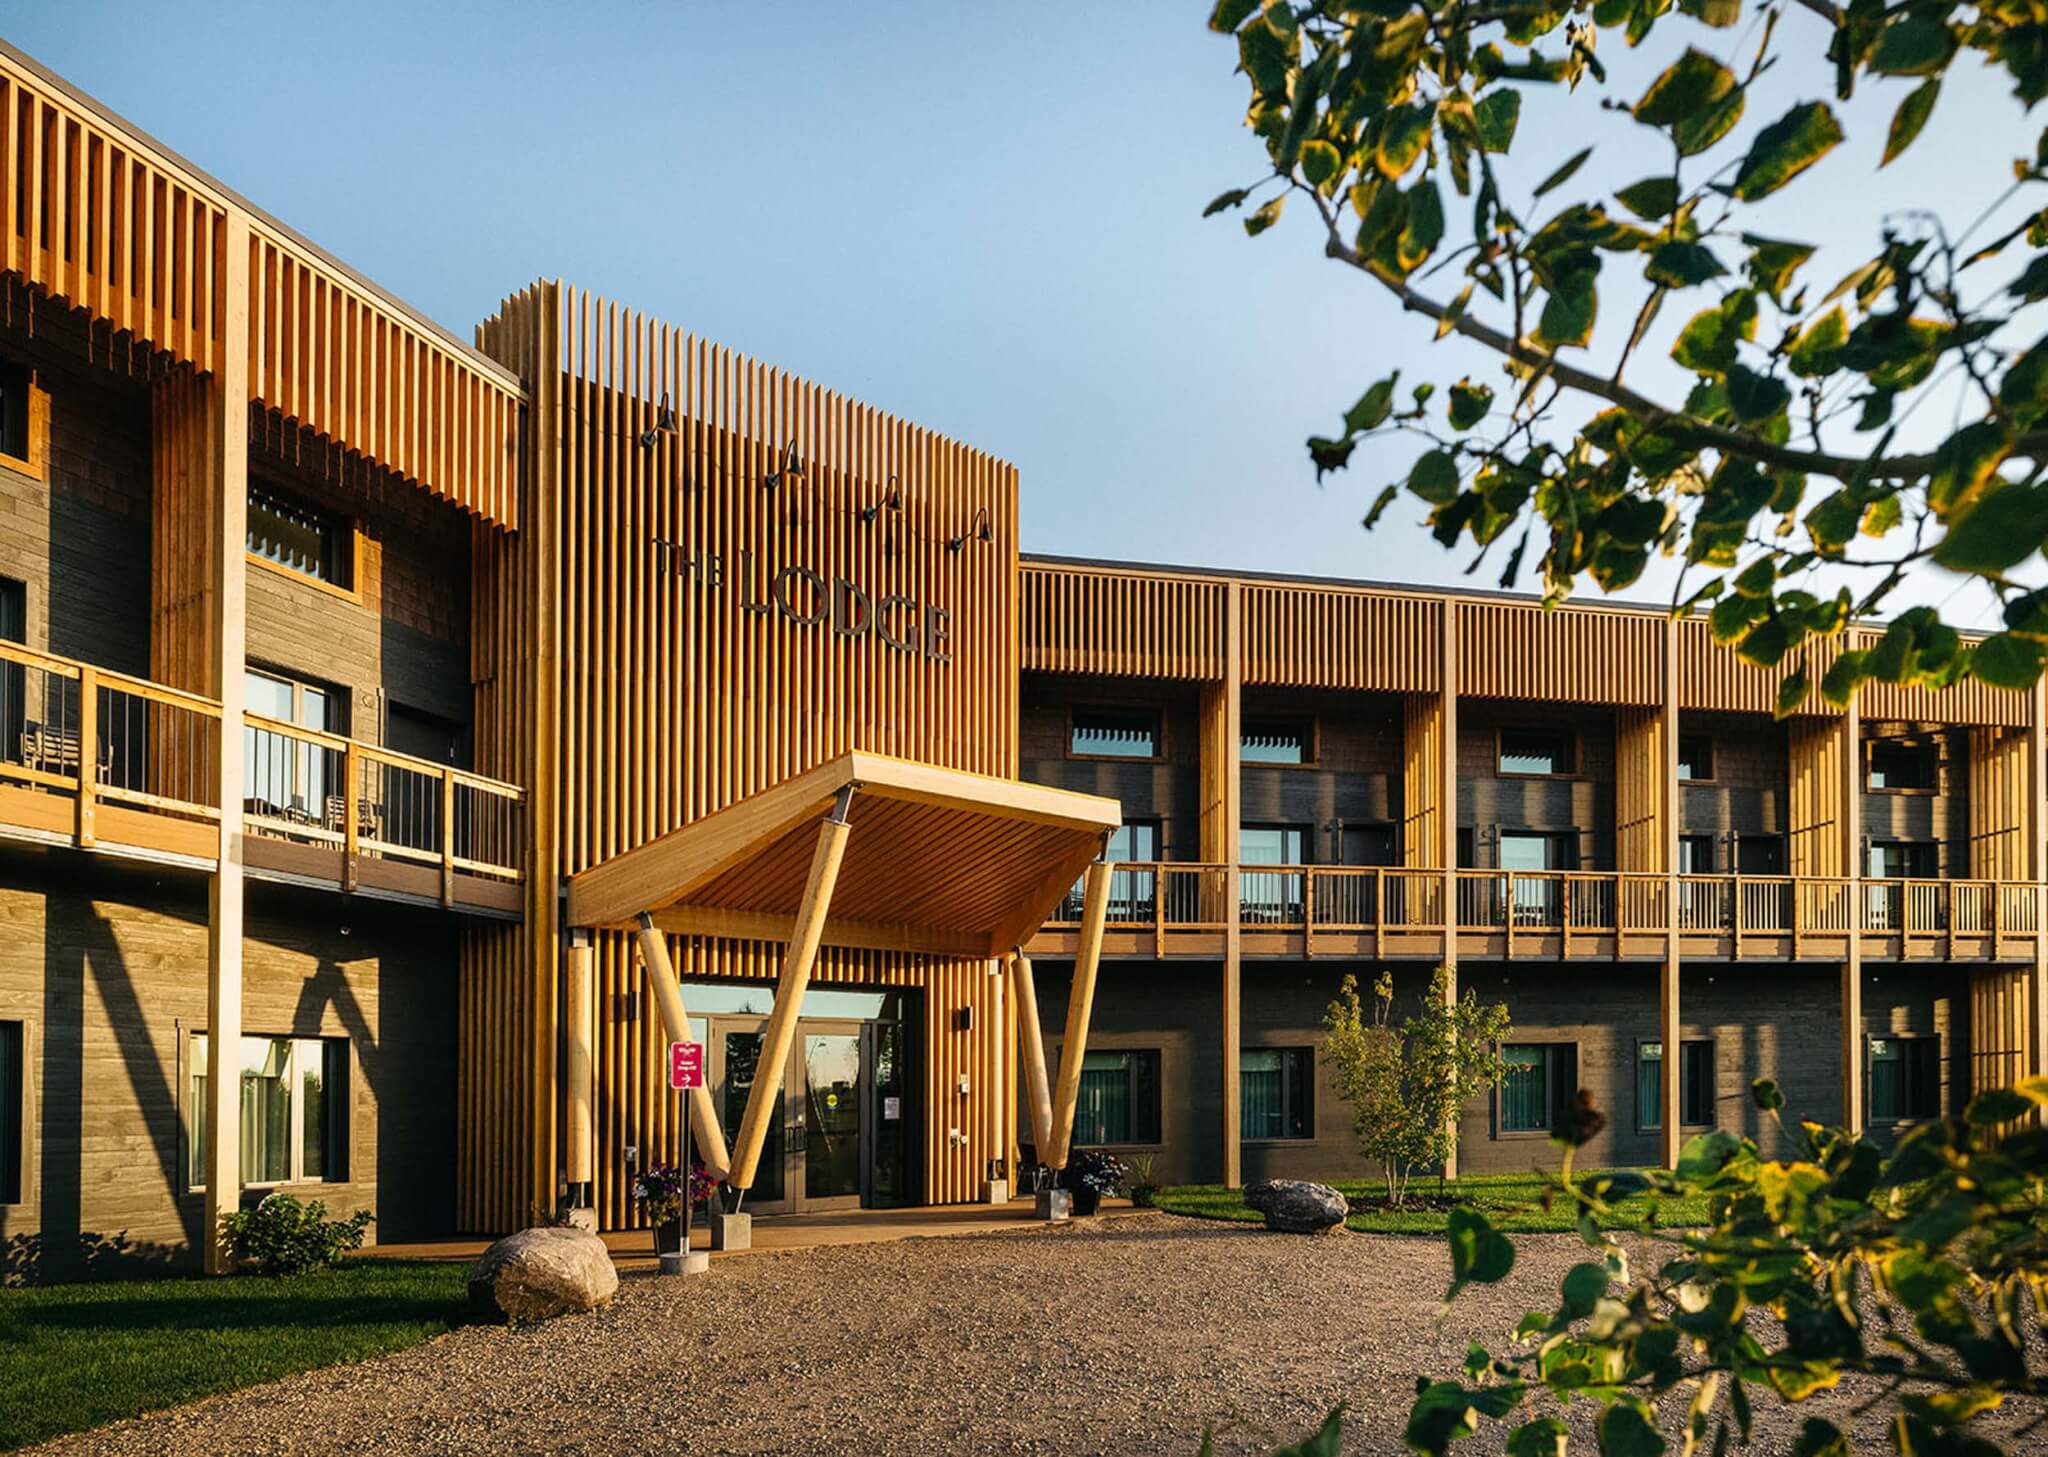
(938, 861)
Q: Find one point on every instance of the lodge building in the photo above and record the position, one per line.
(432, 724)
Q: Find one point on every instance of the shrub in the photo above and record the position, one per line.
(1104, 1173)
(281, 1236)
(1143, 1187)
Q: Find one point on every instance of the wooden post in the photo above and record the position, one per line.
(1031, 1046)
(577, 1013)
(797, 960)
(1222, 813)
(1669, 1021)
(447, 838)
(1080, 1005)
(224, 416)
(1447, 819)
(675, 1021)
(88, 752)
(1852, 965)
(351, 816)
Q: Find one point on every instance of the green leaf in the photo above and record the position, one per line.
(1582, 1287)
(1650, 199)
(1707, 1154)
(1965, 463)
(1495, 115)
(1691, 84)
(2001, 529)
(1327, 1440)
(1478, 1250)
(1224, 200)
(1386, 498)
(1718, 13)
(1562, 174)
(1425, 225)
(1230, 14)
(1767, 1095)
(2000, 1105)
(1910, 117)
(1543, 1437)
(1818, 1438)
(1404, 132)
(1469, 403)
(1787, 147)
(1443, 1413)
(1435, 477)
(1680, 265)
(2024, 390)
(1627, 1429)
(1838, 685)
(1264, 215)
(1704, 128)
(1791, 693)
(1319, 162)
(1569, 311)
(2005, 661)
(1707, 342)
(1912, 45)
(1756, 396)
(1773, 261)
(1373, 406)
(1817, 352)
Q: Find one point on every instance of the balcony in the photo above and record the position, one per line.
(1166, 911)
(104, 762)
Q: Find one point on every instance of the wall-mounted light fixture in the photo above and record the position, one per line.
(664, 424)
(892, 500)
(792, 466)
(978, 529)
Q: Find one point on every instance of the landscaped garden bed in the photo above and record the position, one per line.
(1513, 1202)
(76, 1356)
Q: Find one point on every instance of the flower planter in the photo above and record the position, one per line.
(1085, 1200)
(668, 1237)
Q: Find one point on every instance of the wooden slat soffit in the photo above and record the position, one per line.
(96, 216)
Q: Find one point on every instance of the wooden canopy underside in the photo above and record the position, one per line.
(938, 861)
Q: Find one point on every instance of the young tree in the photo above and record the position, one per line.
(1396, 122)
(1406, 1083)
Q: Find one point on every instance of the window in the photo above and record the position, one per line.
(1539, 1085)
(1695, 854)
(1119, 1100)
(1114, 733)
(13, 676)
(1130, 891)
(1695, 757)
(1271, 897)
(13, 1082)
(1277, 741)
(1536, 751)
(287, 777)
(1905, 860)
(299, 537)
(1759, 855)
(1898, 765)
(1276, 1092)
(1695, 1085)
(1905, 1078)
(15, 384)
(294, 1110)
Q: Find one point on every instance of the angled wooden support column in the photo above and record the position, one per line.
(797, 960)
(1080, 1006)
(1031, 1046)
(675, 1020)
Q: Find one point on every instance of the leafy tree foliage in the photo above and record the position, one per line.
(1396, 121)
(1406, 1082)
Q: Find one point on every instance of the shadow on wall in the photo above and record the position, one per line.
(41, 1259)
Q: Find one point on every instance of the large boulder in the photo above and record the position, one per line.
(1295, 1206)
(539, 1273)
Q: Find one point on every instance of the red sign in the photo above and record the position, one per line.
(685, 1065)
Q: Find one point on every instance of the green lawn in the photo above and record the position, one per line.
(1513, 1202)
(77, 1356)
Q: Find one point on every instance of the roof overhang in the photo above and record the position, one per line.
(937, 861)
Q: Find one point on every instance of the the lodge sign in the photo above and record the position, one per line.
(806, 597)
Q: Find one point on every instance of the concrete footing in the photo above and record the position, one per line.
(732, 1231)
(685, 1262)
(1055, 1204)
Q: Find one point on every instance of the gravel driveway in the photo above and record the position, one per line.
(1123, 1338)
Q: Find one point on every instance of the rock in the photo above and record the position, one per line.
(1295, 1206)
(539, 1273)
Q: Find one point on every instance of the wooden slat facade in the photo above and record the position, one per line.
(1133, 623)
(1642, 831)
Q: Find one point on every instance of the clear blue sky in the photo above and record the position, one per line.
(985, 218)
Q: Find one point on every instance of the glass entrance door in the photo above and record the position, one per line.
(839, 1136)
(826, 1165)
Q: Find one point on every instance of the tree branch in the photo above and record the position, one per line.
(1845, 468)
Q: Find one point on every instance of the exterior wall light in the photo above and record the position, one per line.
(664, 424)
(892, 500)
(792, 467)
(978, 529)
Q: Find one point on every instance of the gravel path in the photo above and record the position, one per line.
(1127, 1337)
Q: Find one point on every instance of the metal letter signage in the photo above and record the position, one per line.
(801, 595)
(685, 1065)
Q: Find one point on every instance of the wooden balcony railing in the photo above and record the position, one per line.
(1360, 910)
(99, 759)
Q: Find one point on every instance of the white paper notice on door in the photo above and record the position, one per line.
(892, 1108)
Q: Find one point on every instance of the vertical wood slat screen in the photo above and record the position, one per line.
(2001, 815)
(1576, 655)
(97, 219)
(1999, 1038)
(1967, 702)
(1316, 637)
(1112, 621)
(185, 424)
(1422, 777)
(1641, 839)
(1814, 748)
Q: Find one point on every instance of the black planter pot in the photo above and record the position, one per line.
(668, 1236)
(1085, 1200)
